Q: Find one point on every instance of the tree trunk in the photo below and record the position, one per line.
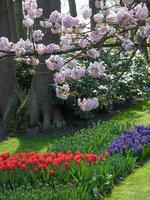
(18, 17)
(10, 93)
(41, 112)
(94, 11)
(72, 8)
(35, 110)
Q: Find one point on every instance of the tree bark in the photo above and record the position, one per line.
(18, 17)
(35, 110)
(41, 112)
(10, 93)
(94, 11)
(72, 8)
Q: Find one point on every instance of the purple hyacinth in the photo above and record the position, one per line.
(133, 141)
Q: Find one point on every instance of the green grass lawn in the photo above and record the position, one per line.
(38, 144)
(138, 114)
(136, 186)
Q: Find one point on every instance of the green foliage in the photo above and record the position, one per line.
(24, 76)
(118, 85)
(95, 139)
(44, 192)
(89, 182)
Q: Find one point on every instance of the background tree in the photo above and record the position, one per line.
(10, 94)
(94, 11)
(72, 8)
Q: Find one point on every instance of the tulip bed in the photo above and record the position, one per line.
(85, 176)
(83, 166)
(30, 167)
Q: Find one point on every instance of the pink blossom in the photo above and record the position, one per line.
(46, 24)
(77, 73)
(67, 73)
(72, 63)
(59, 78)
(30, 7)
(68, 22)
(29, 4)
(56, 28)
(93, 53)
(99, 33)
(66, 41)
(54, 63)
(87, 13)
(52, 48)
(127, 2)
(83, 43)
(40, 48)
(88, 104)
(111, 17)
(141, 12)
(63, 91)
(32, 61)
(98, 17)
(20, 47)
(35, 13)
(147, 30)
(37, 35)
(125, 18)
(28, 45)
(28, 22)
(80, 25)
(5, 45)
(55, 17)
(96, 70)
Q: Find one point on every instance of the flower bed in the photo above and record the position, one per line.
(74, 174)
(132, 141)
(45, 166)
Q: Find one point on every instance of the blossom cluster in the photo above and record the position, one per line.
(54, 63)
(48, 161)
(133, 141)
(76, 40)
(95, 70)
(71, 27)
(31, 12)
(88, 104)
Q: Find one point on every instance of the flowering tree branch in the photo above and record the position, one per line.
(124, 26)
